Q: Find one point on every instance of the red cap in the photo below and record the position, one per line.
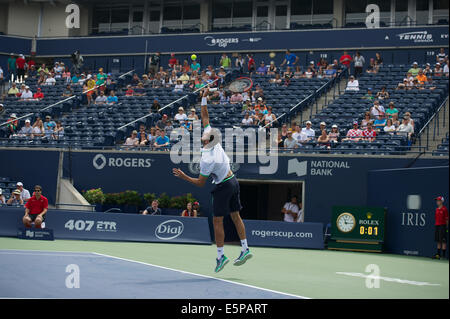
(441, 198)
(196, 203)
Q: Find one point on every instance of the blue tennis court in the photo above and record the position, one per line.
(42, 274)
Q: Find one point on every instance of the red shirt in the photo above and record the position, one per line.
(441, 216)
(251, 63)
(346, 60)
(172, 62)
(371, 134)
(36, 206)
(20, 62)
(38, 95)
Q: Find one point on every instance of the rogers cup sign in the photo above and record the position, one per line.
(169, 229)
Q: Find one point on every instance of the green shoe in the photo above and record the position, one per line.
(246, 254)
(221, 263)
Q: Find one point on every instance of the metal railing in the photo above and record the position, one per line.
(426, 128)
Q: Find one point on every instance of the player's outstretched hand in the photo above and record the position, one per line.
(178, 173)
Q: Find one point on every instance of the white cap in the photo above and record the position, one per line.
(19, 184)
(334, 126)
(27, 121)
(14, 115)
(323, 123)
(311, 62)
(1, 191)
(415, 63)
(89, 76)
(308, 122)
(260, 99)
(437, 63)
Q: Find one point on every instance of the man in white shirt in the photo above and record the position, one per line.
(27, 129)
(247, 120)
(50, 80)
(376, 110)
(352, 85)
(405, 128)
(24, 193)
(214, 162)
(308, 131)
(290, 210)
(180, 116)
(27, 94)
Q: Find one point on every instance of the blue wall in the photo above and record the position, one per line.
(409, 196)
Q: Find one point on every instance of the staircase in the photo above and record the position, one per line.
(442, 124)
(321, 103)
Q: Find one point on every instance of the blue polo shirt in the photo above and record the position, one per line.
(161, 141)
(290, 58)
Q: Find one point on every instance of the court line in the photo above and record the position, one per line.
(46, 253)
(204, 276)
(396, 280)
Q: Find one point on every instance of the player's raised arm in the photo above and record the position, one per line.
(204, 107)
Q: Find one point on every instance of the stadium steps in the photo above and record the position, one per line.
(322, 103)
(443, 130)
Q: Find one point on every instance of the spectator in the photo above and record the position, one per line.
(101, 99)
(13, 122)
(405, 129)
(354, 134)
(407, 115)
(57, 70)
(377, 109)
(247, 120)
(372, 68)
(82, 79)
(378, 59)
(161, 141)
(421, 77)
(290, 59)
(345, 60)
(290, 210)
(2, 197)
(59, 131)
(358, 61)
(169, 128)
(441, 57)
(330, 72)
(162, 123)
(379, 123)
(352, 84)
(299, 135)
(184, 78)
(67, 91)
(333, 136)
(12, 66)
(35, 209)
(269, 116)
(43, 69)
(276, 80)
(142, 136)
(369, 134)
(272, 70)
(129, 91)
(262, 69)
(445, 70)
(392, 110)
(323, 139)
(15, 198)
(132, 141)
(288, 72)
(21, 68)
(414, 70)
(2, 77)
(26, 130)
(441, 227)
(366, 120)
(192, 116)
(369, 96)
(112, 98)
(27, 94)
(195, 66)
(186, 67)
(180, 116)
(283, 134)
(153, 209)
(196, 206)
(390, 127)
(154, 61)
(308, 131)
(13, 90)
(251, 64)
(383, 94)
(38, 128)
(322, 126)
(225, 61)
(189, 211)
(236, 98)
(140, 90)
(172, 61)
(89, 88)
(438, 71)
(186, 125)
(24, 193)
(179, 86)
(50, 80)
(240, 62)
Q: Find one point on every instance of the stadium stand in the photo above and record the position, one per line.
(442, 149)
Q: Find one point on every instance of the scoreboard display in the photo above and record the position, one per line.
(357, 228)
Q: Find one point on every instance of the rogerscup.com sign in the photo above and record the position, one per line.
(268, 233)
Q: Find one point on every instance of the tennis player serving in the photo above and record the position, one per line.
(214, 162)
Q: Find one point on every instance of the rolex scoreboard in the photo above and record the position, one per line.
(357, 228)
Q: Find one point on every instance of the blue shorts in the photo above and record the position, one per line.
(226, 197)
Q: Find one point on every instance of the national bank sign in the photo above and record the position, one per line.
(316, 168)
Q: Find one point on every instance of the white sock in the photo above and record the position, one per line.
(244, 244)
(219, 252)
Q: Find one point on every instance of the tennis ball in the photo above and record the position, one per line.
(272, 54)
(193, 57)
